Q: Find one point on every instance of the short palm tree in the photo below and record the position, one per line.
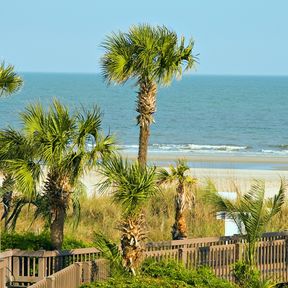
(131, 186)
(151, 56)
(10, 82)
(179, 176)
(64, 146)
(15, 151)
(253, 211)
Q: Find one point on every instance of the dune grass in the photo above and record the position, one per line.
(99, 214)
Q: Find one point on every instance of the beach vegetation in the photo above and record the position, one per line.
(33, 242)
(10, 81)
(152, 56)
(251, 213)
(58, 142)
(165, 274)
(183, 181)
(16, 152)
(130, 185)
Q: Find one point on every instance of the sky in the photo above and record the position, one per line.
(243, 37)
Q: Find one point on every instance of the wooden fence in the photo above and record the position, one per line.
(27, 267)
(75, 275)
(220, 254)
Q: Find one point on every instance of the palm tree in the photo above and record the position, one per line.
(252, 211)
(131, 186)
(178, 175)
(16, 151)
(151, 56)
(65, 146)
(10, 82)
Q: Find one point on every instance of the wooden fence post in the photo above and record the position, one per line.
(182, 255)
(50, 282)
(41, 267)
(86, 272)
(238, 251)
(78, 273)
(16, 265)
(286, 259)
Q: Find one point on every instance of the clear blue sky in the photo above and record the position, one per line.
(232, 37)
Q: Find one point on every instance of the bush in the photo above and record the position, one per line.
(138, 282)
(25, 241)
(166, 274)
(31, 241)
(201, 277)
(248, 277)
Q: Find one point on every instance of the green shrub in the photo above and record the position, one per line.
(138, 282)
(166, 274)
(71, 243)
(25, 241)
(248, 277)
(31, 241)
(201, 277)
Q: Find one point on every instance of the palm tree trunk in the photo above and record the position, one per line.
(132, 242)
(179, 229)
(143, 144)
(7, 186)
(146, 107)
(57, 192)
(57, 228)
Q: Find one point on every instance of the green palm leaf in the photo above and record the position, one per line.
(252, 210)
(130, 183)
(10, 82)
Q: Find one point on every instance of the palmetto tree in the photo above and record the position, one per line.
(179, 176)
(16, 151)
(10, 82)
(253, 211)
(131, 186)
(151, 56)
(59, 141)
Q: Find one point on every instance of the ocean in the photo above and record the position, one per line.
(211, 115)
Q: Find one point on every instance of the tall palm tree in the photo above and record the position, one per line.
(65, 146)
(179, 176)
(131, 186)
(253, 211)
(10, 82)
(152, 56)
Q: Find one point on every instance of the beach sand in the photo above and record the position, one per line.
(231, 179)
(223, 179)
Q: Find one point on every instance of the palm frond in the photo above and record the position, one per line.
(10, 82)
(131, 184)
(26, 175)
(110, 251)
(252, 209)
(145, 53)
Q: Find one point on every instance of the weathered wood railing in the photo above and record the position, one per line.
(221, 253)
(75, 275)
(218, 253)
(27, 267)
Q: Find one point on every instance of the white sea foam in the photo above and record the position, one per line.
(274, 152)
(185, 148)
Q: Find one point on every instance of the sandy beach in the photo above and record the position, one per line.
(231, 179)
(224, 179)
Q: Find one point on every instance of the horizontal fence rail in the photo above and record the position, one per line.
(219, 253)
(75, 275)
(27, 267)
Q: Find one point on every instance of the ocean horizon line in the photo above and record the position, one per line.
(185, 75)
